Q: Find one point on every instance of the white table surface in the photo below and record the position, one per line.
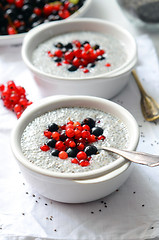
(132, 212)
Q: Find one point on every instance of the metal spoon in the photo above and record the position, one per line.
(137, 157)
(150, 108)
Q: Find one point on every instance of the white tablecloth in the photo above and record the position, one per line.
(132, 212)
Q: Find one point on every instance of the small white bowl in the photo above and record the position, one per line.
(105, 85)
(81, 186)
(18, 38)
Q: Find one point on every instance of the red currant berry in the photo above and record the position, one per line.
(56, 136)
(60, 146)
(85, 134)
(80, 146)
(81, 155)
(75, 161)
(77, 43)
(63, 155)
(17, 23)
(37, 11)
(2, 87)
(67, 141)
(76, 62)
(84, 163)
(17, 108)
(77, 134)
(11, 85)
(70, 132)
(64, 14)
(101, 137)
(86, 127)
(85, 70)
(72, 144)
(108, 65)
(69, 55)
(47, 9)
(45, 148)
(48, 134)
(11, 30)
(92, 138)
(58, 53)
(19, 3)
(77, 52)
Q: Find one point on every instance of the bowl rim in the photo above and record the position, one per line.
(18, 38)
(129, 64)
(34, 110)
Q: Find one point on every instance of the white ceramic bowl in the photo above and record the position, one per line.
(75, 187)
(104, 85)
(18, 38)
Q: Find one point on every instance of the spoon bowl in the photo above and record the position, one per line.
(149, 107)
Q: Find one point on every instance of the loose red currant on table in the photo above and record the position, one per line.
(14, 97)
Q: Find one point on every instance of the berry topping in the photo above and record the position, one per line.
(77, 55)
(19, 16)
(73, 140)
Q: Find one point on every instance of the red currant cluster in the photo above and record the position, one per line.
(19, 16)
(14, 97)
(78, 55)
(74, 140)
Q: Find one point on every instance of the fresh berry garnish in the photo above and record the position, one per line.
(77, 55)
(84, 163)
(73, 140)
(14, 97)
(60, 146)
(89, 121)
(51, 143)
(90, 150)
(97, 131)
(45, 148)
(81, 155)
(53, 127)
(72, 152)
(63, 155)
(55, 152)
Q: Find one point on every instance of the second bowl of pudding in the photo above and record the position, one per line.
(81, 56)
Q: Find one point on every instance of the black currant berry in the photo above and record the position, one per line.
(88, 121)
(53, 127)
(51, 143)
(90, 150)
(72, 152)
(55, 152)
(97, 131)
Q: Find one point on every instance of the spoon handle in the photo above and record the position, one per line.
(137, 157)
(142, 90)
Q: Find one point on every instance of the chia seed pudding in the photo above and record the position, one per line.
(113, 55)
(114, 130)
